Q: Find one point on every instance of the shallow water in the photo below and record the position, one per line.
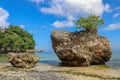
(3, 58)
(115, 59)
(51, 58)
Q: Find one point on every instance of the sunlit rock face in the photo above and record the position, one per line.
(23, 60)
(80, 48)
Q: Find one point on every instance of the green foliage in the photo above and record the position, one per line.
(15, 39)
(92, 22)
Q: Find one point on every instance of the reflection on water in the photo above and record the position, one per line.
(50, 62)
(3, 58)
(115, 59)
(51, 58)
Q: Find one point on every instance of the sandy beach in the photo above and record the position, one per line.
(47, 72)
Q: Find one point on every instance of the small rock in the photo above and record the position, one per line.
(22, 60)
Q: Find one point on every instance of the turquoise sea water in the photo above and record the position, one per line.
(51, 58)
(115, 59)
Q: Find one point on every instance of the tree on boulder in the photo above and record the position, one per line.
(82, 48)
(89, 23)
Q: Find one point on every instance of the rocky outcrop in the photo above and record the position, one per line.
(22, 60)
(81, 48)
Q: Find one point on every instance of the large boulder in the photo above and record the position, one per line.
(22, 60)
(80, 48)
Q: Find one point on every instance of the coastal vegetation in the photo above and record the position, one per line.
(15, 39)
(82, 48)
(89, 23)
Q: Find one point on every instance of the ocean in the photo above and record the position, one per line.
(115, 59)
(50, 58)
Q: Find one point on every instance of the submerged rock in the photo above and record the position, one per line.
(80, 48)
(22, 60)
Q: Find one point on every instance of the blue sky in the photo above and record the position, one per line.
(40, 17)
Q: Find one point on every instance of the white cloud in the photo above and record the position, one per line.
(3, 18)
(37, 1)
(113, 27)
(22, 26)
(117, 8)
(107, 8)
(61, 24)
(116, 15)
(73, 9)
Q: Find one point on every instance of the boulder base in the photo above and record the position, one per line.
(22, 60)
(80, 48)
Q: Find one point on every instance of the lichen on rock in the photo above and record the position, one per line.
(81, 48)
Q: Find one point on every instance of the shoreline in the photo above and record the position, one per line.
(47, 72)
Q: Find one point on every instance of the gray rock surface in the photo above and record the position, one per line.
(23, 60)
(80, 48)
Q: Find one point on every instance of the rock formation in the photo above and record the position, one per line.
(22, 60)
(81, 48)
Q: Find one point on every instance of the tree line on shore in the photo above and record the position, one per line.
(15, 39)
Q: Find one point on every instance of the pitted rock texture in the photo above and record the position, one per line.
(80, 48)
(22, 60)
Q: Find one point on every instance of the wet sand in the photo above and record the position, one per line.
(47, 72)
